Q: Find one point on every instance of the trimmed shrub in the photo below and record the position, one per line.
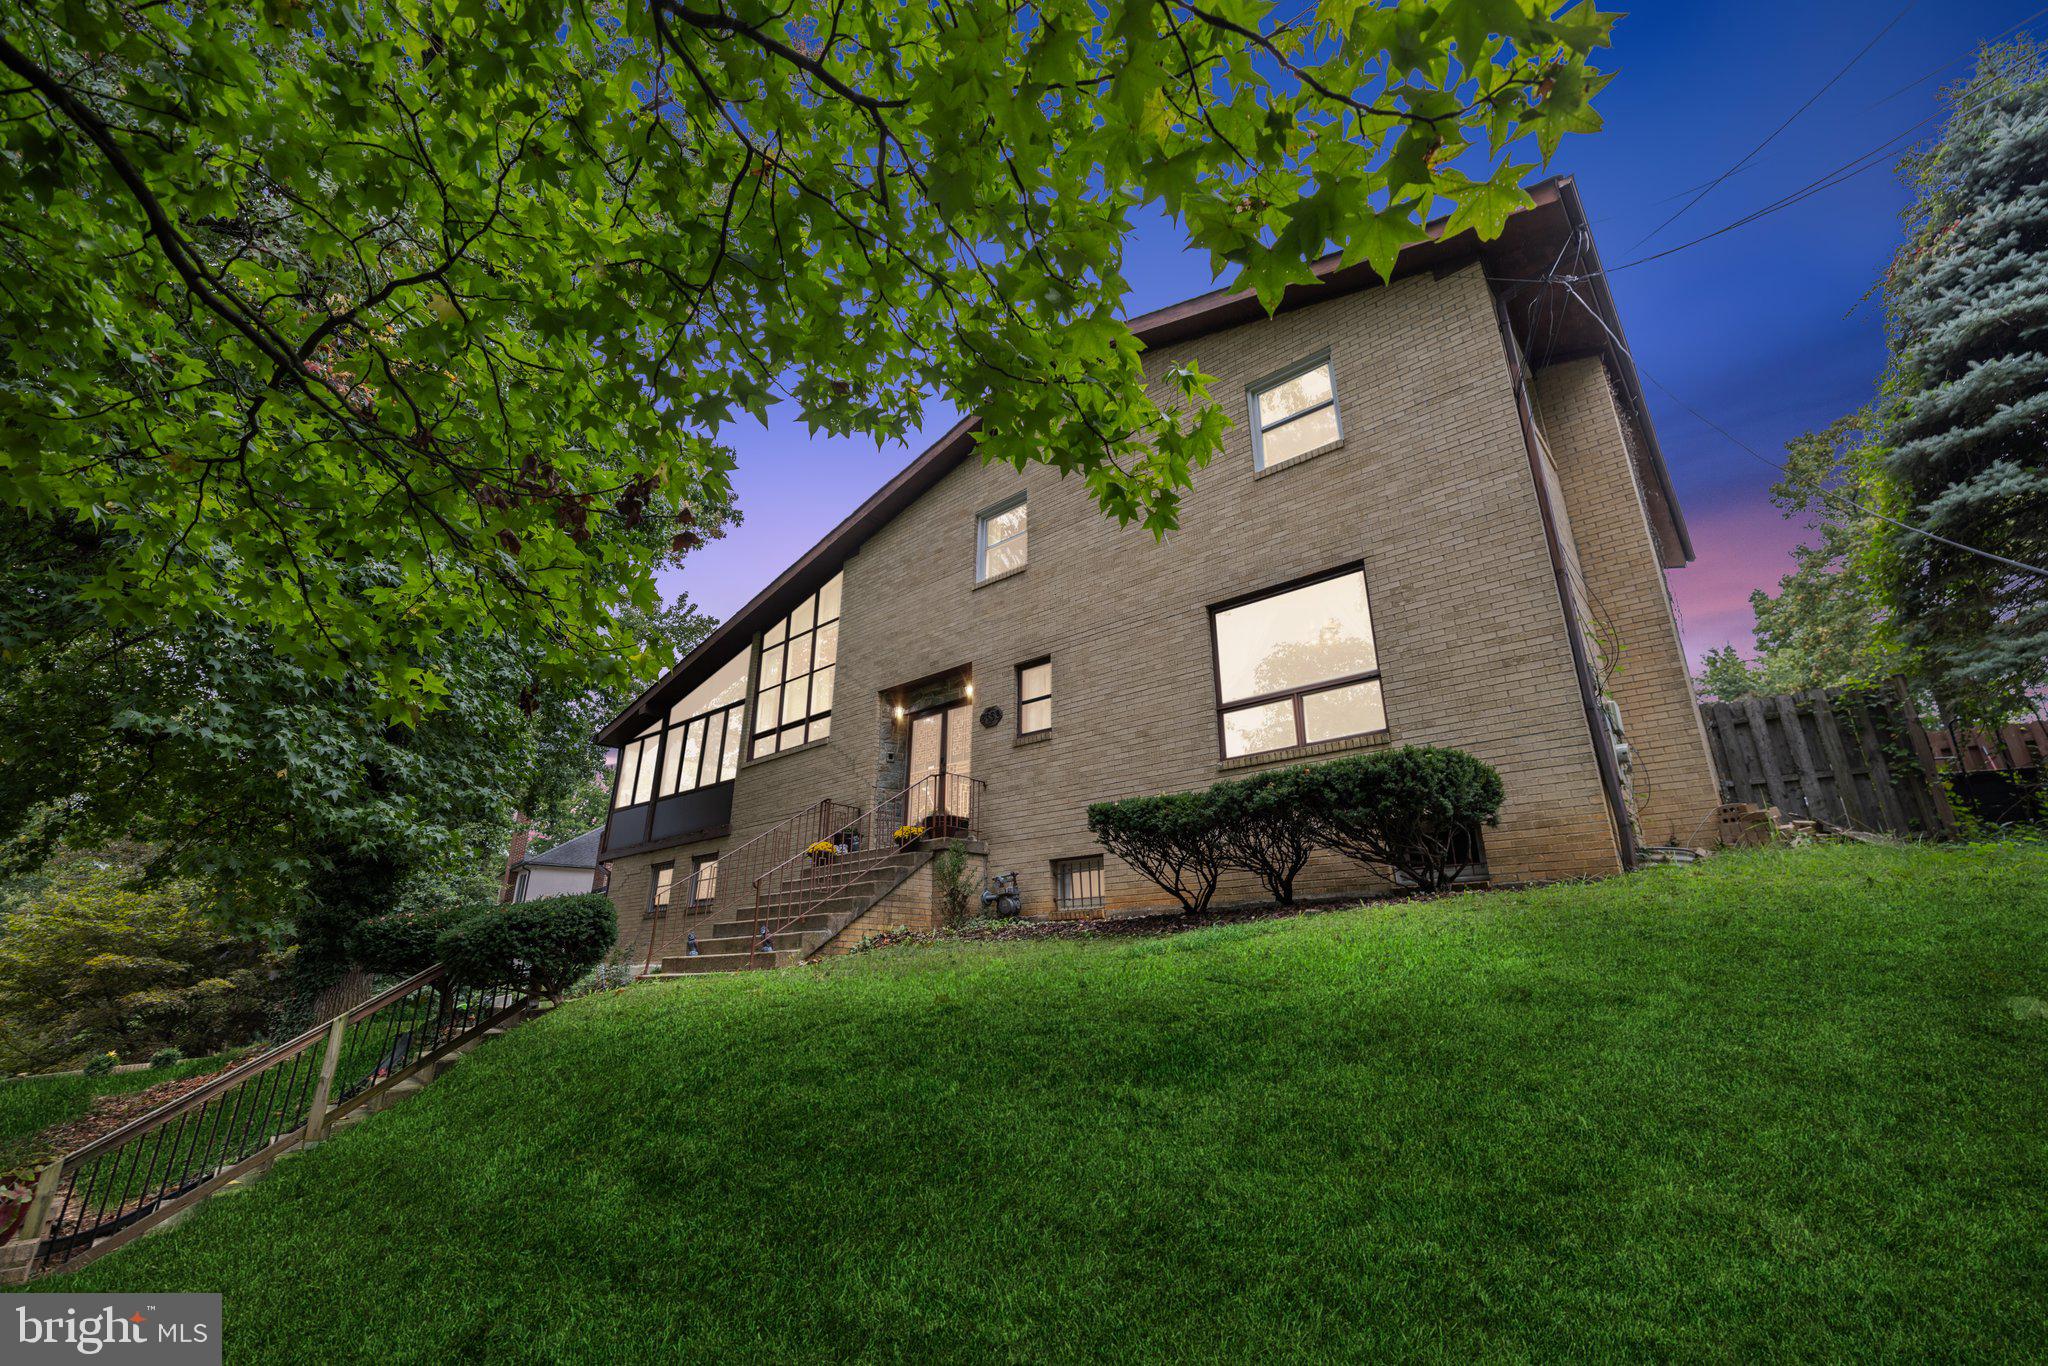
(1413, 811)
(1260, 827)
(99, 1064)
(405, 942)
(170, 1055)
(547, 944)
(1173, 839)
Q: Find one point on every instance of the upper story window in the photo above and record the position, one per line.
(637, 760)
(1294, 413)
(1297, 666)
(1002, 540)
(1034, 697)
(702, 744)
(799, 656)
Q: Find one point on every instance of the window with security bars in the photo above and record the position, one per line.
(799, 657)
(1034, 697)
(1077, 884)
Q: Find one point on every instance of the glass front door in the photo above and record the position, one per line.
(940, 745)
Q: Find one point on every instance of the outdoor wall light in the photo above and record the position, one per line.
(970, 690)
(899, 711)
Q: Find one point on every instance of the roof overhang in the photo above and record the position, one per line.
(1548, 319)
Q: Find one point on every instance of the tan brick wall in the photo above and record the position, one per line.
(1431, 489)
(913, 905)
(630, 878)
(1672, 786)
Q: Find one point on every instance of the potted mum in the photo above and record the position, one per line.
(908, 835)
(822, 853)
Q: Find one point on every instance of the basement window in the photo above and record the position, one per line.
(1077, 884)
(1294, 413)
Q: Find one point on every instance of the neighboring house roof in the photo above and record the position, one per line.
(1550, 319)
(580, 852)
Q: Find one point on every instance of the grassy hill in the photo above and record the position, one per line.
(1784, 1103)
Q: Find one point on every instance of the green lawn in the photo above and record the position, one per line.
(1784, 1104)
(29, 1105)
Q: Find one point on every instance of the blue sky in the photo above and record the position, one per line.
(1765, 329)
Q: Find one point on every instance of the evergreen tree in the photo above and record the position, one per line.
(1967, 433)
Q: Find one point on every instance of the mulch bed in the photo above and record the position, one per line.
(109, 1113)
(1119, 927)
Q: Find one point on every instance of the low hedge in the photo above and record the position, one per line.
(1407, 813)
(405, 942)
(548, 944)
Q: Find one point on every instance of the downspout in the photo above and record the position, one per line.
(1582, 665)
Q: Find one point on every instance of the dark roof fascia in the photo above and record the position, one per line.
(1184, 321)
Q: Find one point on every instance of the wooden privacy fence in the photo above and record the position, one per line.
(1859, 760)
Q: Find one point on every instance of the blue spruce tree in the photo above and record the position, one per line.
(1968, 430)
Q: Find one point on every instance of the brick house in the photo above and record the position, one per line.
(1442, 518)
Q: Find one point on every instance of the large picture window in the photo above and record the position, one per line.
(1297, 666)
(703, 744)
(1294, 413)
(799, 657)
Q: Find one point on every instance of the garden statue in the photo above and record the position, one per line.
(766, 945)
(690, 944)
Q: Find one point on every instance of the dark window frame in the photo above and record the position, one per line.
(698, 863)
(656, 904)
(1259, 386)
(1296, 695)
(1083, 865)
(754, 733)
(1045, 697)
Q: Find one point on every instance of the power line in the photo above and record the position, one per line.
(1790, 119)
(1945, 66)
(1993, 556)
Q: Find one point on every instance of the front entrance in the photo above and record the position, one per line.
(941, 743)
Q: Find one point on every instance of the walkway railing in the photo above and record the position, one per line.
(117, 1186)
(943, 806)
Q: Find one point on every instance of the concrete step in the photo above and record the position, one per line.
(729, 962)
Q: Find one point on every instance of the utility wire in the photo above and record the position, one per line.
(1790, 119)
(1922, 80)
(1594, 313)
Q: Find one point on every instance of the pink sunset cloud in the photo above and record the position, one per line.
(1742, 546)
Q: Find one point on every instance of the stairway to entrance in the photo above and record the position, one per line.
(792, 909)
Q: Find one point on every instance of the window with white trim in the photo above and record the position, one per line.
(1295, 413)
(1002, 539)
(1297, 666)
(799, 658)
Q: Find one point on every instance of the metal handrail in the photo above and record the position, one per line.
(870, 836)
(118, 1185)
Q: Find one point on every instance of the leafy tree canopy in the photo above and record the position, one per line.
(345, 329)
